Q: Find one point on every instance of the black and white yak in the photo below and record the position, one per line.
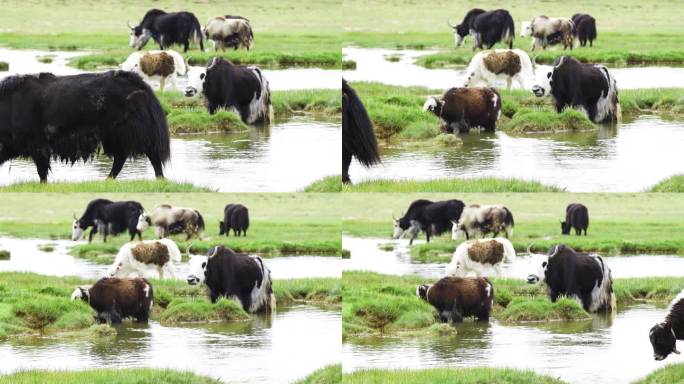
(577, 218)
(235, 217)
(115, 299)
(73, 118)
(237, 88)
(455, 298)
(585, 28)
(463, 108)
(434, 218)
(586, 87)
(480, 220)
(145, 257)
(580, 276)
(664, 335)
(487, 68)
(156, 65)
(167, 29)
(547, 31)
(169, 220)
(487, 28)
(229, 31)
(358, 137)
(235, 276)
(483, 257)
(108, 218)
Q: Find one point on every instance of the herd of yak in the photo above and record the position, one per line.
(125, 291)
(116, 113)
(591, 89)
(581, 276)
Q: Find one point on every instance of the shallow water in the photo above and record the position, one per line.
(26, 61)
(596, 351)
(371, 65)
(27, 257)
(627, 158)
(367, 256)
(291, 345)
(285, 157)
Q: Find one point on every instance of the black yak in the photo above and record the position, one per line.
(235, 217)
(108, 218)
(577, 218)
(358, 137)
(432, 217)
(455, 298)
(585, 28)
(117, 298)
(73, 118)
(664, 335)
(167, 29)
(487, 28)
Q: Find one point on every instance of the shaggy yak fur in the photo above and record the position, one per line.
(462, 30)
(235, 217)
(73, 118)
(358, 137)
(115, 298)
(463, 108)
(585, 28)
(230, 31)
(487, 28)
(503, 62)
(170, 220)
(455, 298)
(167, 29)
(157, 64)
(108, 218)
(151, 253)
(577, 217)
(664, 335)
(478, 220)
(434, 218)
(546, 31)
(486, 252)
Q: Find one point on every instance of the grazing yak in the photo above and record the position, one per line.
(73, 118)
(144, 257)
(108, 218)
(487, 28)
(480, 220)
(463, 108)
(588, 88)
(482, 257)
(229, 31)
(169, 220)
(115, 299)
(585, 28)
(457, 297)
(489, 67)
(234, 275)
(167, 29)
(577, 218)
(235, 217)
(664, 335)
(547, 31)
(583, 277)
(156, 65)
(237, 88)
(358, 137)
(434, 218)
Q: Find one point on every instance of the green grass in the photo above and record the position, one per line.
(448, 376)
(107, 185)
(348, 64)
(326, 184)
(202, 122)
(202, 311)
(4, 66)
(331, 374)
(107, 376)
(673, 373)
(4, 254)
(621, 223)
(671, 184)
(549, 121)
(279, 223)
(316, 290)
(485, 184)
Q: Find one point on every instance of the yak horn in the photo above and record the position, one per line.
(187, 250)
(129, 24)
(214, 252)
(75, 218)
(213, 62)
(451, 25)
(529, 249)
(393, 218)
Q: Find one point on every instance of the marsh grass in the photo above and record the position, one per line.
(673, 373)
(548, 121)
(4, 254)
(671, 184)
(326, 184)
(313, 290)
(331, 374)
(448, 376)
(192, 311)
(202, 122)
(106, 376)
(107, 185)
(484, 184)
(4, 66)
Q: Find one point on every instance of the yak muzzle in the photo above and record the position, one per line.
(193, 280)
(190, 91)
(532, 279)
(538, 91)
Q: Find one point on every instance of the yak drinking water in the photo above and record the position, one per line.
(358, 137)
(73, 118)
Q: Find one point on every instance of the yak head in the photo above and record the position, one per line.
(81, 293)
(196, 77)
(565, 228)
(139, 36)
(222, 228)
(144, 222)
(540, 264)
(544, 77)
(457, 231)
(434, 105)
(403, 227)
(526, 29)
(663, 340)
(77, 230)
(421, 291)
(197, 273)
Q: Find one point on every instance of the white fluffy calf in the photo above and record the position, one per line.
(488, 68)
(142, 258)
(482, 257)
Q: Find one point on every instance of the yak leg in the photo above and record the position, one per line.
(92, 232)
(117, 165)
(509, 82)
(444, 316)
(162, 80)
(156, 164)
(115, 316)
(202, 45)
(346, 161)
(186, 45)
(456, 315)
(244, 233)
(42, 165)
(160, 270)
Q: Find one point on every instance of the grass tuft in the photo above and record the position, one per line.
(671, 184)
(331, 374)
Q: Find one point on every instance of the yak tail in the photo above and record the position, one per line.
(509, 217)
(508, 31)
(196, 34)
(200, 220)
(151, 124)
(358, 136)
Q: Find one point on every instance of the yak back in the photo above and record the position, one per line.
(414, 212)
(440, 215)
(573, 81)
(486, 252)
(239, 217)
(122, 215)
(157, 64)
(470, 293)
(572, 272)
(468, 103)
(502, 62)
(577, 215)
(126, 294)
(231, 273)
(227, 84)
(151, 253)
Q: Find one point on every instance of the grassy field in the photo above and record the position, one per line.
(620, 223)
(398, 117)
(107, 185)
(673, 373)
(332, 374)
(448, 376)
(376, 304)
(107, 376)
(487, 184)
(279, 223)
(314, 40)
(36, 304)
(629, 31)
